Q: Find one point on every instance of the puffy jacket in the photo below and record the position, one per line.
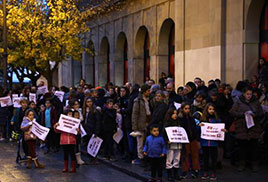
(139, 117)
(212, 143)
(189, 124)
(109, 120)
(66, 138)
(154, 146)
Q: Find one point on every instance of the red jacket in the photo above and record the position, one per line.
(66, 138)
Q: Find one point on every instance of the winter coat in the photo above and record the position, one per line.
(210, 143)
(18, 117)
(238, 110)
(66, 138)
(53, 117)
(92, 123)
(109, 120)
(128, 119)
(154, 146)
(158, 115)
(26, 126)
(189, 124)
(173, 97)
(139, 117)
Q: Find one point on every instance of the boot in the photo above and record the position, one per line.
(241, 166)
(37, 164)
(29, 162)
(175, 173)
(73, 170)
(78, 159)
(65, 166)
(169, 173)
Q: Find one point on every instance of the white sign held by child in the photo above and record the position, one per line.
(39, 131)
(118, 135)
(94, 145)
(6, 101)
(177, 135)
(60, 95)
(249, 119)
(213, 131)
(32, 97)
(68, 124)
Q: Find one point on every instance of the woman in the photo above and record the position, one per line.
(247, 138)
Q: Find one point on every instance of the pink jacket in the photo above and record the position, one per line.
(66, 138)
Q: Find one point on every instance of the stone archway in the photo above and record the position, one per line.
(121, 60)
(104, 62)
(166, 48)
(142, 55)
(90, 64)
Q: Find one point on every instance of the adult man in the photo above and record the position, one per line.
(173, 97)
(141, 117)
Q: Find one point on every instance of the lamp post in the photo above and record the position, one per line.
(5, 44)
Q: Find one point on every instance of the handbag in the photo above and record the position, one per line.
(28, 135)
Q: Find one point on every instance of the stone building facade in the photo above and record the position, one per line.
(186, 38)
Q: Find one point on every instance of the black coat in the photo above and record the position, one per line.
(188, 123)
(92, 122)
(128, 120)
(158, 114)
(109, 120)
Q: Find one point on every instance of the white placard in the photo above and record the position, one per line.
(39, 131)
(16, 100)
(212, 131)
(6, 101)
(249, 119)
(94, 145)
(83, 132)
(60, 95)
(118, 135)
(68, 124)
(177, 135)
(177, 105)
(42, 90)
(32, 97)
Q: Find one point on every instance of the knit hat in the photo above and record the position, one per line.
(191, 84)
(144, 88)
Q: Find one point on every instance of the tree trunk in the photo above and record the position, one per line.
(48, 75)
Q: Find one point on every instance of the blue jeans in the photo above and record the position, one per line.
(132, 145)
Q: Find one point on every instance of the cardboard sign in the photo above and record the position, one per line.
(6, 101)
(249, 119)
(42, 90)
(177, 135)
(32, 97)
(118, 135)
(39, 131)
(94, 145)
(60, 95)
(212, 131)
(68, 124)
(16, 100)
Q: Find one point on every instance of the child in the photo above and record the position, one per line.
(76, 115)
(209, 147)
(68, 142)
(189, 124)
(199, 102)
(109, 128)
(30, 138)
(155, 149)
(173, 149)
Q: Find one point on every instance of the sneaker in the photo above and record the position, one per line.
(212, 177)
(183, 175)
(195, 174)
(205, 176)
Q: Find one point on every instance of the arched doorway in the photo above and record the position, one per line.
(166, 48)
(90, 64)
(104, 62)
(142, 55)
(121, 60)
(264, 32)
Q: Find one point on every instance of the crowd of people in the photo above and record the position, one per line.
(142, 113)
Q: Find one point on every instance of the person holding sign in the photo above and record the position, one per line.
(188, 123)
(247, 112)
(209, 147)
(30, 138)
(68, 141)
(173, 149)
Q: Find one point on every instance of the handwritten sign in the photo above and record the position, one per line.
(39, 131)
(94, 145)
(177, 135)
(32, 97)
(6, 101)
(42, 90)
(16, 100)
(60, 95)
(68, 124)
(249, 119)
(212, 131)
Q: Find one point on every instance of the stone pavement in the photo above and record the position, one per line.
(10, 171)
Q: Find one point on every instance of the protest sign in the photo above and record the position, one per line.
(16, 100)
(42, 90)
(212, 131)
(60, 95)
(94, 145)
(6, 101)
(249, 119)
(32, 97)
(82, 131)
(177, 105)
(177, 135)
(118, 135)
(68, 124)
(39, 131)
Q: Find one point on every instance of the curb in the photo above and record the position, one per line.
(120, 168)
